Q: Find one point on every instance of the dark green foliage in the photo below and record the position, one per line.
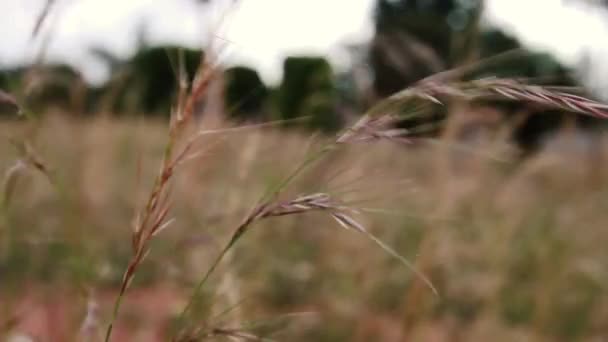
(10, 78)
(427, 20)
(246, 94)
(8, 102)
(301, 77)
(146, 83)
(45, 87)
(59, 86)
(149, 81)
(415, 38)
(321, 109)
(541, 68)
(308, 90)
(526, 64)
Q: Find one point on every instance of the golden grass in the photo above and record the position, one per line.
(516, 249)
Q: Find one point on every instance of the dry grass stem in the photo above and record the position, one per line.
(154, 217)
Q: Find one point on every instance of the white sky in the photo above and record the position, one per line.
(260, 33)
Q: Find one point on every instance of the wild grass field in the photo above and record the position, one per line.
(394, 206)
(516, 248)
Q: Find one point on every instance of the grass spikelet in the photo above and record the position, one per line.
(299, 205)
(491, 89)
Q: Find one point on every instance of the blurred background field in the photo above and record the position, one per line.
(516, 249)
(504, 207)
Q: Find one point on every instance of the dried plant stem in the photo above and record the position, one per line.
(153, 218)
(115, 313)
(491, 89)
(298, 205)
(42, 17)
(148, 224)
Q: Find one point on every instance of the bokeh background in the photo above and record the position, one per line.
(503, 206)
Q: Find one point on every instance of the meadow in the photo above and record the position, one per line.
(514, 247)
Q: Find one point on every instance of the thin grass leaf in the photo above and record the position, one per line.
(163, 226)
(264, 328)
(229, 309)
(11, 178)
(402, 259)
(349, 223)
(46, 10)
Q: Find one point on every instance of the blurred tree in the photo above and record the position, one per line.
(307, 89)
(245, 93)
(415, 38)
(8, 104)
(7, 86)
(147, 82)
(44, 87)
(541, 66)
(60, 86)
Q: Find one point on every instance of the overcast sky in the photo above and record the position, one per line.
(260, 33)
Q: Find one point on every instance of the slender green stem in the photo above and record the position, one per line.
(403, 260)
(199, 286)
(274, 191)
(117, 304)
(7, 231)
